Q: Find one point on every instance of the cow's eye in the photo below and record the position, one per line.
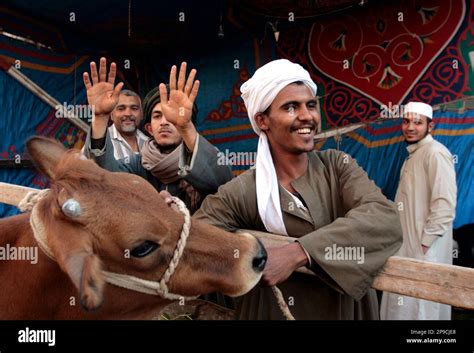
(145, 248)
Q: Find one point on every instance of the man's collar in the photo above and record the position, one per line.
(413, 147)
(114, 133)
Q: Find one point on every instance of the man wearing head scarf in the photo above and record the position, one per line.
(175, 158)
(426, 200)
(322, 198)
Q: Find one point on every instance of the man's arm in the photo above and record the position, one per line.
(198, 163)
(442, 178)
(103, 96)
(178, 105)
(228, 209)
(353, 248)
(203, 168)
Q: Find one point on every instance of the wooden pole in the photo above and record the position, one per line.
(42, 94)
(13, 194)
(447, 284)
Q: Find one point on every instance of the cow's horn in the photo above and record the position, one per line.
(72, 208)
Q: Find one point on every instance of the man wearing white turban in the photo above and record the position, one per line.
(426, 199)
(322, 198)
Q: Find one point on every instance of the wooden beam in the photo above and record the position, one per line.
(447, 284)
(42, 94)
(13, 194)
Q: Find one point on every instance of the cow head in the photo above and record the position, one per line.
(95, 220)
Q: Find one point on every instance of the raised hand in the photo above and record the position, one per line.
(178, 106)
(101, 93)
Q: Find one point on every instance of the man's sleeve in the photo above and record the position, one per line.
(442, 179)
(102, 152)
(353, 248)
(227, 208)
(203, 169)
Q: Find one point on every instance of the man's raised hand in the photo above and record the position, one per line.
(101, 93)
(178, 106)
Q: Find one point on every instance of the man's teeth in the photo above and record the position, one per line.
(305, 130)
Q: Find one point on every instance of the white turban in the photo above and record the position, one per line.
(419, 108)
(258, 94)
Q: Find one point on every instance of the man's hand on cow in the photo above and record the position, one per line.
(282, 262)
(178, 106)
(102, 95)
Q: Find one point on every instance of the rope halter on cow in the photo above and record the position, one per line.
(126, 281)
(121, 280)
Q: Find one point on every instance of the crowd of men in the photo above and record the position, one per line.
(322, 198)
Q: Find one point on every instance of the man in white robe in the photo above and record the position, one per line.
(426, 200)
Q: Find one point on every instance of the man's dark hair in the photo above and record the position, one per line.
(130, 93)
(153, 98)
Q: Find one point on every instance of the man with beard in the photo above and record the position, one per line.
(323, 198)
(126, 138)
(426, 200)
(176, 158)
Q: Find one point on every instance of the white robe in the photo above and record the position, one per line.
(426, 199)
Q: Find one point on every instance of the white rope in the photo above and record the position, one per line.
(31, 199)
(282, 304)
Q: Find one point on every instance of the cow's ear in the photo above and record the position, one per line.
(72, 248)
(45, 154)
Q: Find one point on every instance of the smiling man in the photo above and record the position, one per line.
(322, 198)
(426, 198)
(126, 138)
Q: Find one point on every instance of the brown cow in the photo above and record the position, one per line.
(120, 214)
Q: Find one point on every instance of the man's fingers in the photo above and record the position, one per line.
(95, 77)
(87, 81)
(163, 94)
(112, 73)
(182, 76)
(189, 82)
(117, 90)
(172, 82)
(103, 70)
(194, 91)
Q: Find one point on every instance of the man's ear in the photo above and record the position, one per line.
(430, 126)
(45, 154)
(72, 248)
(262, 121)
(148, 128)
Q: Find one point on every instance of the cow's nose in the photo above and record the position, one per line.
(259, 261)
